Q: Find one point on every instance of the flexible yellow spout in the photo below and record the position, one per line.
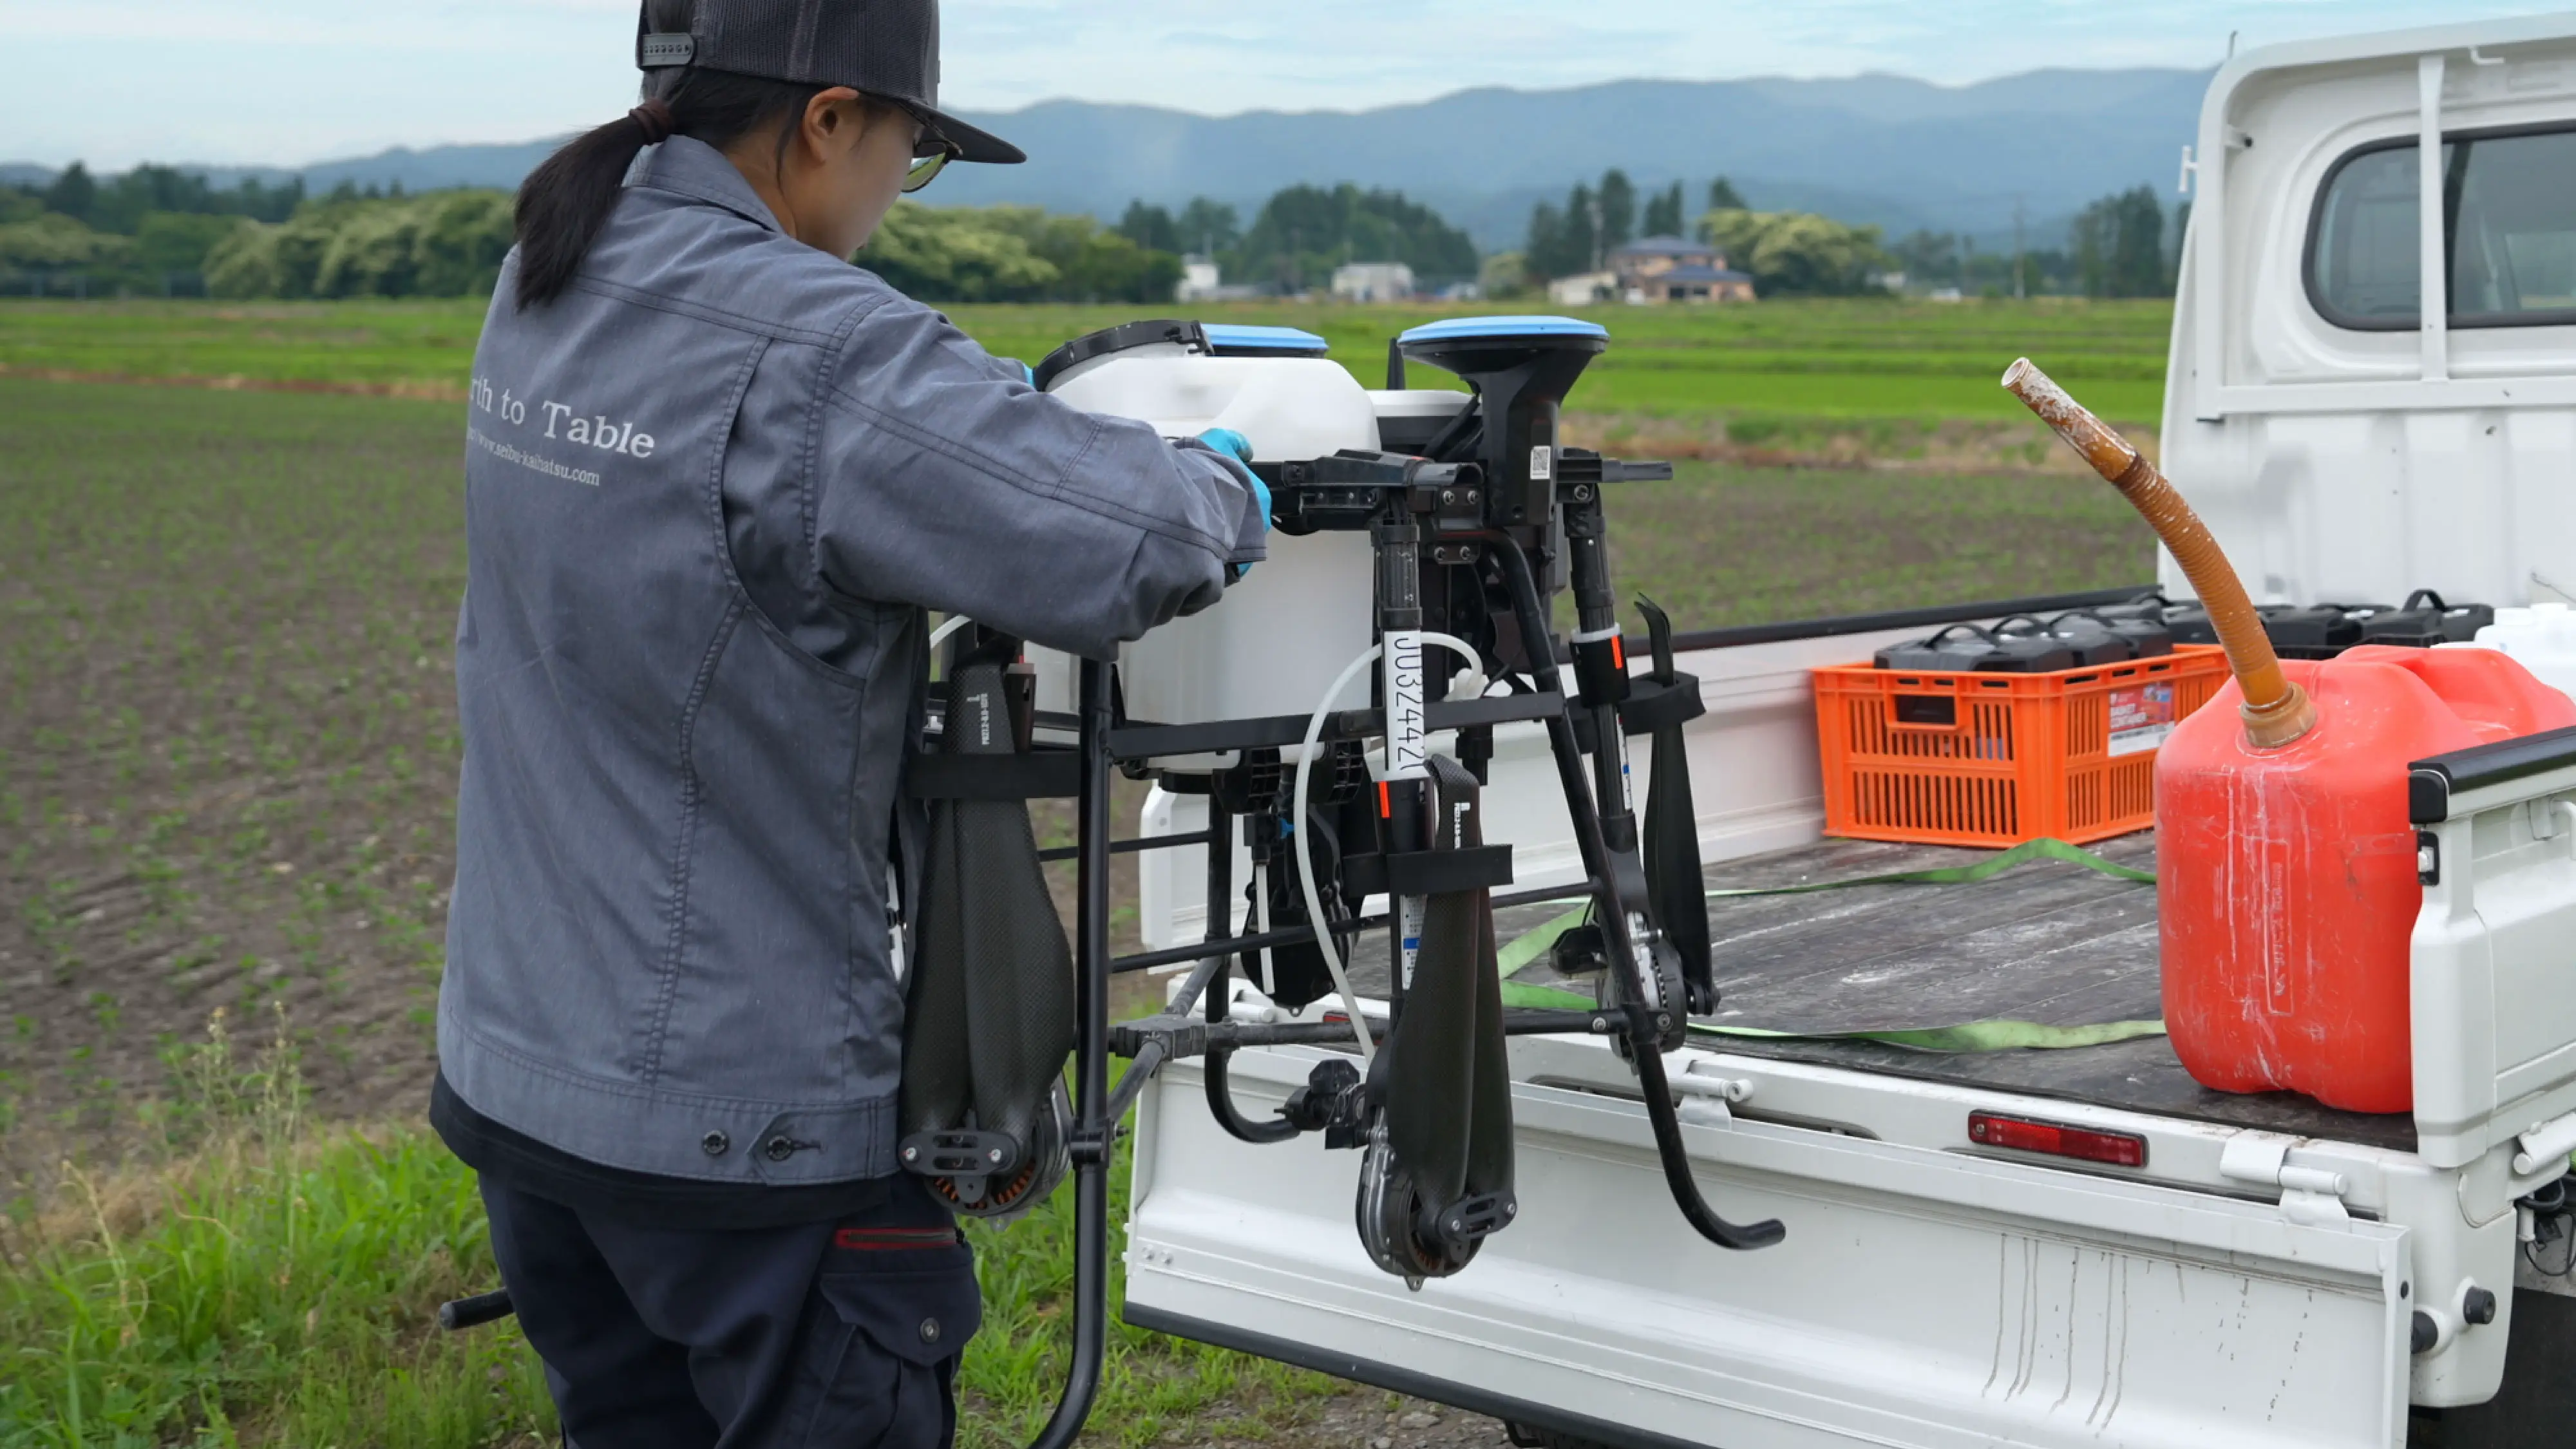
(2276, 710)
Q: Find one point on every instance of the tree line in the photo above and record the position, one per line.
(134, 230)
(1579, 236)
(1787, 253)
(141, 230)
(121, 203)
(1014, 254)
(155, 225)
(1303, 232)
(2122, 245)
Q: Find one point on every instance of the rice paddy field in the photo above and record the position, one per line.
(227, 774)
(1794, 359)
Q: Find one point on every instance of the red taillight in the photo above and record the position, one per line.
(2120, 1149)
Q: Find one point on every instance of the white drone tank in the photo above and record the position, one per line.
(1410, 420)
(1274, 643)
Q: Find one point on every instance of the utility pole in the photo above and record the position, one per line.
(2020, 290)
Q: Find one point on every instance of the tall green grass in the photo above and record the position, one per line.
(270, 1286)
(276, 1284)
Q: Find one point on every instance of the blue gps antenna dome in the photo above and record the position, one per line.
(1521, 369)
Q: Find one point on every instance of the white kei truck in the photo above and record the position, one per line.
(2271, 1272)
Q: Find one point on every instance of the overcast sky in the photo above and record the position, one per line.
(285, 82)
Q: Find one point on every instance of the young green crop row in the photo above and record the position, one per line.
(227, 734)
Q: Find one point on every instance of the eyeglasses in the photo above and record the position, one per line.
(926, 169)
(931, 154)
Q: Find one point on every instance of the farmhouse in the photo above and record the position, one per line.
(1583, 289)
(1202, 282)
(1671, 269)
(1372, 282)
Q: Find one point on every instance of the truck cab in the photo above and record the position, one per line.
(2345, 442)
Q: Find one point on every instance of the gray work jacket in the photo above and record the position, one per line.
(709, 492)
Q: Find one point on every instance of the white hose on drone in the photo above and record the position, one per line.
(953, 623)
(1324, 940)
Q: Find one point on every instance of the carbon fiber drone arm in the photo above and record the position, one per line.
(1643, 1032)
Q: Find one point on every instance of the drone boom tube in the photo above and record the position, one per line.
(1211, 983)
(1094, 1129)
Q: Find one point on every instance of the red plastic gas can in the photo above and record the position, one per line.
(2286, 877)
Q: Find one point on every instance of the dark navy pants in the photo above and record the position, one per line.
(842, 1334)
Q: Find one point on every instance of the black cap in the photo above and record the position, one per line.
(888, 49)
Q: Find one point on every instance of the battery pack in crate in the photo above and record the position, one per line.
(1965, 646)
(2324, 631)
(2424, 621)
(1993, 759)
(2313, 631)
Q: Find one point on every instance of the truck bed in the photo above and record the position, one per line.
(2047, 942)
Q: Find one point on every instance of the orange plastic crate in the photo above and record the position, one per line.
(1997, 759)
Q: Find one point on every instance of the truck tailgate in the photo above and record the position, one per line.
(1923, 1298)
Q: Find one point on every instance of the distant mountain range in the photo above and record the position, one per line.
(1879, 149)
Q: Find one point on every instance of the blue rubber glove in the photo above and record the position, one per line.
(1239, 447)
(1227, 440)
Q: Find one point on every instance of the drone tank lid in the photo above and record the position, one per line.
(1242, 339)
(1179, 336)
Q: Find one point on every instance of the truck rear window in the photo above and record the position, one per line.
(2508, 214)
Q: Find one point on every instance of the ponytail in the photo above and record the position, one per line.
(567, 200)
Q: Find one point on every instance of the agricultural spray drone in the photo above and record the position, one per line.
(1420, 540)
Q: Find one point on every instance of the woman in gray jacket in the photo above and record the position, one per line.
(714, 477)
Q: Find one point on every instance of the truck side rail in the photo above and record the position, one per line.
(2494, 1022)
(2466, 781)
